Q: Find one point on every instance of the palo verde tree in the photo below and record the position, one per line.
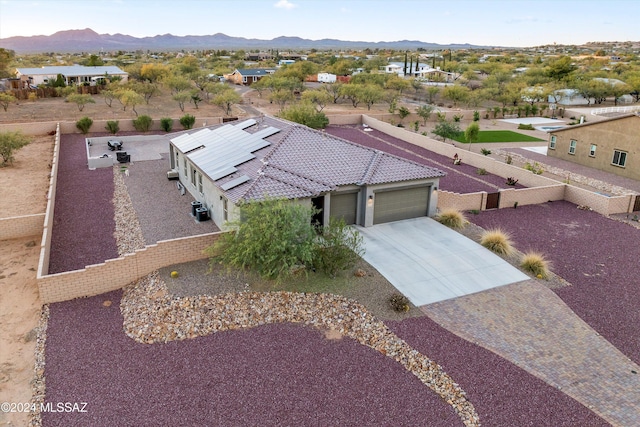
(471, 133)
(80, 100)
(446, 130)
(6, 99)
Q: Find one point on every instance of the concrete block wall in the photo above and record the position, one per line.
(21, 226)
(116, 273)
(45, 243)
(598, 202)
(126, 125)
(461, 202)
(345, 119)
(531, 196)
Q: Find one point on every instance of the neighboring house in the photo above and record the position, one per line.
(72, 74)
(610, 145)
(423, 71)
(231, 164)
(247, 76)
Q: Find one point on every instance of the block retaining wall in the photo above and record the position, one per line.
(116, 273)
(21, 226)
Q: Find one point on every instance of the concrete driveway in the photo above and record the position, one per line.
(428, 262)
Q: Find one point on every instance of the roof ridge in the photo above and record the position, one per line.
(300, 176)
(372, 167)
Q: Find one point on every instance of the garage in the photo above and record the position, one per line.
(345, 206)
(396, 205)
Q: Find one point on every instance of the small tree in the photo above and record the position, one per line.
(143, 123)
(403, 112)
(471, 133)
(338, 248)
(187, 121)
(182, 97)
(226, 100)
(84, 124)
(307, 115)
(80, 100)
(6, 99)
(446, 130)
(424, 112)
(108, 96)
(9, 143)
(130, 98)
(113, 126)
(166, 124)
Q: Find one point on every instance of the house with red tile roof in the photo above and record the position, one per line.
(267, 157)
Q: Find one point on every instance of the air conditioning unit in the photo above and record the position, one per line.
(202, 214)
(195, 205)
(173, 174)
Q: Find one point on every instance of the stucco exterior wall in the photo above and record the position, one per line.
(617, 134)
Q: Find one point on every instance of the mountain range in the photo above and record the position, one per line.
(87, 40)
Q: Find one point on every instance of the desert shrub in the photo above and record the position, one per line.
(187, 121)
(476, 116)
(305, 114)
(337, 248)
(276, 239)
(534, 168)
(166, 124)
(143, 123)
(113, 126)
(511, 181)
(497, 241)
(84, 124)
(525, 126)
(481, 171)
(452, 218)
(536, 264)
(457, 118)
(508, 160)
(399, 302)
(485, 152)
(9, 143)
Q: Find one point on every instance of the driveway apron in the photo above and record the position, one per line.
(428, 262)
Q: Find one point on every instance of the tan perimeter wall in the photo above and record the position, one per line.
(45, 244)
(539, 188)
(21, 226)
(116, 273)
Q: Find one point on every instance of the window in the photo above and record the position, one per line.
(193, 175)
(619, 158)
(225, 210)
(572, 146)
(184, 163)
(592, 150)
(552, 143)
(200, 183)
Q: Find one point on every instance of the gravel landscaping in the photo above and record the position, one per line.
(461, 178)
(597, 255)
(83, 224)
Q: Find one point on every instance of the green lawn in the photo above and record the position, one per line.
(487, 136)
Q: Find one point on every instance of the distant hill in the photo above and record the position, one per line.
(88, 40)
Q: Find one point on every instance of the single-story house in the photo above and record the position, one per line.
(72, 74)
(611, 145)
(327, 78)
(568, 97)
(231, 164)
(246, 76)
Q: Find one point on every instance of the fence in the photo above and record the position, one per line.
(21, 226)
(45, 244)
(539, 188)
(116, 273)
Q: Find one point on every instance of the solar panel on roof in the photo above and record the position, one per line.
(265, 133)
(216, 175)
(245, 124)
(235, 182)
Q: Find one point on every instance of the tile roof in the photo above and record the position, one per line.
(301, 162)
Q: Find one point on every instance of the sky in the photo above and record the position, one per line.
(513, 23)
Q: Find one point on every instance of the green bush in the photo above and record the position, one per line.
(534, 168)
(84, 124)
(476, 116)
(481, 171)
(143, 123)
(9, 143)
(525, 126)
(536, 264)
(452, 218)
(497, 241)
(166, 124)
(485, 152)
(305, 114)
(187, 121)
(276, 239)
(337, 248)
(113, 126)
